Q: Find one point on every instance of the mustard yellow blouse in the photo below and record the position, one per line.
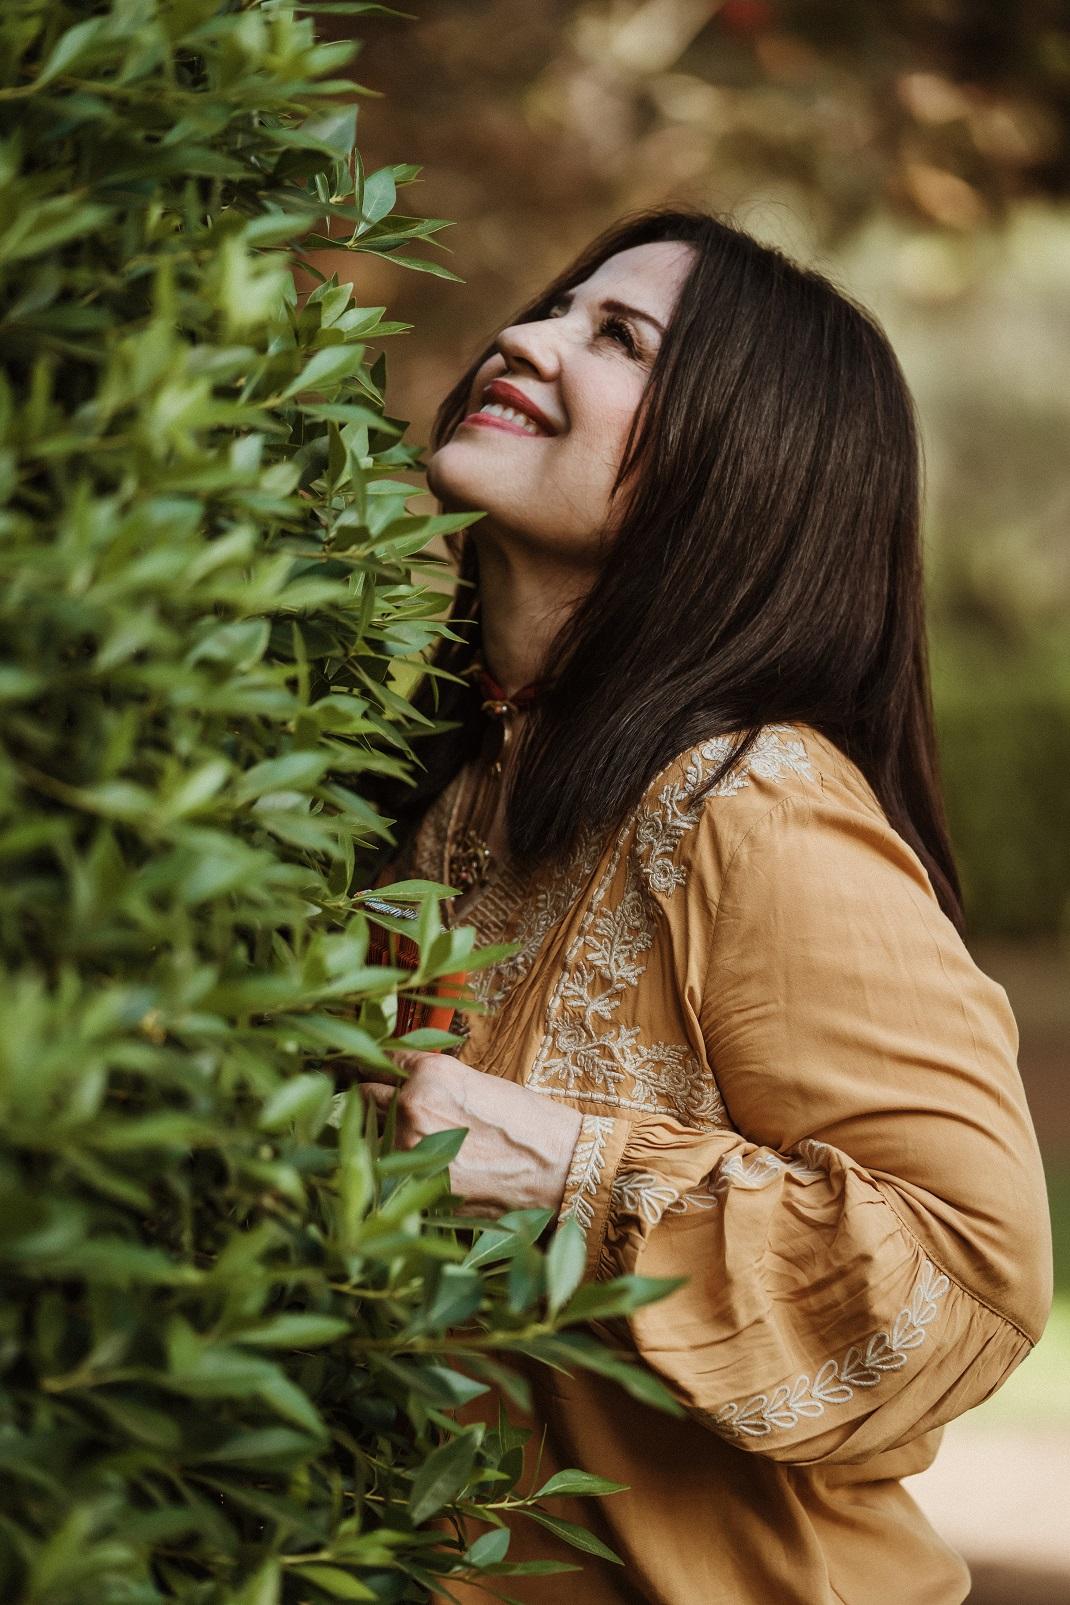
(801, 1093)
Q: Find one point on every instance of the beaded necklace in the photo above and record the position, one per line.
(468, 851)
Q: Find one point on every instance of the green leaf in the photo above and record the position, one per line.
(77, 46)
(350, 412)
(565, 1261)
(263, 1588)
(578, 1537)
(575, 1349)
(335, 1582)
(296, 771)
(413, 891)
(269, 1448)
(451, 1387)
(274, 228)
(578, 1482)
(217, 1371)
(380, 195)
(525, 1280)
(488, 1548)
(140, 1421)
(417, 265)
(342, 1036)
(334, 130)
(443, 1475)
(356, 1175)
(532, 1568)
(596, 1301)
(115, 1262)
(295, 1330)
(457, 1296)
(326, 368)
(294, 1405)
(299, 1099)
(428, 1157)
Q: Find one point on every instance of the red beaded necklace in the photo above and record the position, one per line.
(495, 694)
(469, 855)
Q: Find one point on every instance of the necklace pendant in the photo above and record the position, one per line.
(469, 861)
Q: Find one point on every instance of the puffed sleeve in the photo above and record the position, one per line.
(868, 1252)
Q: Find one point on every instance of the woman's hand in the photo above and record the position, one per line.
(519, 1144)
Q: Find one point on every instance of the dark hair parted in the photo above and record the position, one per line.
(766, 565)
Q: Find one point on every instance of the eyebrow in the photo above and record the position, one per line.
(612, 305)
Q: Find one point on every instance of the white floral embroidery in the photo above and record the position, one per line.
(587, 1050)
(642, 1194)
(541, 906)
(648, 1197)
(863, 1366)
(593, 1056)
(766, 1166)
(585, 1171)
(660, 830)
(697, 1199)
(532, 906)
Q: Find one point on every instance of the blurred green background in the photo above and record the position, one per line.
(918, 153)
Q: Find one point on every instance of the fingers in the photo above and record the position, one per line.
(378, 1093)
(408, 1059)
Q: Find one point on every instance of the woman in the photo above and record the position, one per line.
(742, 1040)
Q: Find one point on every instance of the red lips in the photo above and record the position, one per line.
(509, 396)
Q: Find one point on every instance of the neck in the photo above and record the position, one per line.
(524, 599)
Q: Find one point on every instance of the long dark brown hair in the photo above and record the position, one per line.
(766, 565)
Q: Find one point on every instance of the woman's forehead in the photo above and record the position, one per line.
(657, 268)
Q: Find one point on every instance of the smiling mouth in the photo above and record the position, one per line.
(500, 416)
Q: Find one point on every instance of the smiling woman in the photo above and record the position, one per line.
(689, 771)
(578, 374)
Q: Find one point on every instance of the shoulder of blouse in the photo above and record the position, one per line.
(786, 761)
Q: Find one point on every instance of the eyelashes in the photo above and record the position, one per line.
(625, 335)
(613, 325)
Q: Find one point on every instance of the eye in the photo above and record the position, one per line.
(621, 332)
(612, 325)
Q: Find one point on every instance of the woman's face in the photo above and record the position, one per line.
(545, 482)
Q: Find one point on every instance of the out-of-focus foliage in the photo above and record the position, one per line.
(948, 112)
(917, 153)
(540, 123)
(982, 327)
(1004, 728)
(229, 1322)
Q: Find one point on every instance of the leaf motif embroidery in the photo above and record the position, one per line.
(585, 1172)
(835, 1381)
(639, 1193)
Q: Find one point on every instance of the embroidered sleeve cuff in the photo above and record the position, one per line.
(588, 1186)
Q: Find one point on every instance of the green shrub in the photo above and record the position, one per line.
(232, 1330)
(1004, 729)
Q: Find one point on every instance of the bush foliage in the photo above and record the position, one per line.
(235, 1324)
(1004, 727)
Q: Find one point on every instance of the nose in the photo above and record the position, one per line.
(534, 345)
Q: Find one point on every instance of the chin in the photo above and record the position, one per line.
(456, 476)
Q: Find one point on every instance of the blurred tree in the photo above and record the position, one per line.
(537, 124)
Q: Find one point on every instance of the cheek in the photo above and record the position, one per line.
(602, 419)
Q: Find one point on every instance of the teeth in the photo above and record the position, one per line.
(497, 410)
